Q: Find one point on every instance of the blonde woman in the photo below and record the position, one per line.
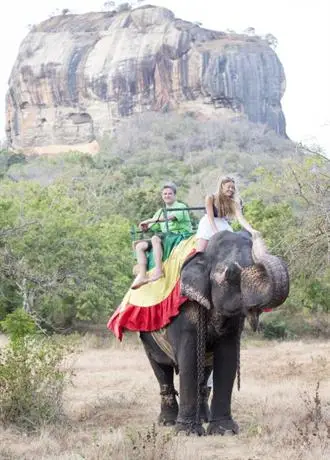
(221, 208)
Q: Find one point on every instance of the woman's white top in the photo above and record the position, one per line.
(205, 230)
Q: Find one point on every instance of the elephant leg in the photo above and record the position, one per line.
(164, 373)
(186, 355)
(224, 372)
(168, 406)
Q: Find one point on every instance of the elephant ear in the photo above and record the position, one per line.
(195, 280)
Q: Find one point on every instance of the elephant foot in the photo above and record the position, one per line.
(189, 429)
(223, 426)
(162, 421)
(169, 407)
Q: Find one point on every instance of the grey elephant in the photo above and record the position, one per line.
(232, 280)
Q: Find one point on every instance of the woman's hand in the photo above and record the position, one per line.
(255, 234)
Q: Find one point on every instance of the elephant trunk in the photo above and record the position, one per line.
(278, 276)
(266, 283)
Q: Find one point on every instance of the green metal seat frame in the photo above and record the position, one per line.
(141, 235)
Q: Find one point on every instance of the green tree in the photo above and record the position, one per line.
(301, 232)
(64, 262)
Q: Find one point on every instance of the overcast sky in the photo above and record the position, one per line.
(302, 28)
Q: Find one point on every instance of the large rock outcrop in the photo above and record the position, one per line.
(76, 76)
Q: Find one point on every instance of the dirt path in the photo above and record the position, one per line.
(114, 401)
(3, 340)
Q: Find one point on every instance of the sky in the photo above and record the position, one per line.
(302, 28)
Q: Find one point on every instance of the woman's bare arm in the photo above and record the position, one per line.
(244, 223)
(210, 212)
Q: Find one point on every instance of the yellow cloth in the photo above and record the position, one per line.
(154, 292)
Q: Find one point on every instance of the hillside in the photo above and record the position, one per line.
(66, 219)
(190, 149)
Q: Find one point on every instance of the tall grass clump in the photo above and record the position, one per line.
(33, 377)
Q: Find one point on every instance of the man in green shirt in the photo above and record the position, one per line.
(177, 221)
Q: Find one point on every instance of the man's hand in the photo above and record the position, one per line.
(171, 217)
(143, 226)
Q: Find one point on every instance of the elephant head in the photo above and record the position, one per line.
(235, 276)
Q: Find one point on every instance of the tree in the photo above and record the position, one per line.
(109, 5)
(120, 6)
(251, 31)
(303, 188)
(271, 40)
(67, 264)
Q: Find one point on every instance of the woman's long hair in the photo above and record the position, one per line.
(226, 206)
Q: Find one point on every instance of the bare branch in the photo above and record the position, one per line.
(301, 194)
(12, 231)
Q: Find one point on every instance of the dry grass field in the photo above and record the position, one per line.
(283, 408)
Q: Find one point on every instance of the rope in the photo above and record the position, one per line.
(238, 358)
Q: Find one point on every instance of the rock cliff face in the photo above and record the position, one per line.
(76, 76)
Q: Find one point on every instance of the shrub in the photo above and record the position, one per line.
(123, 7)
(18, 324)
(149, 443)
(312, 430)
(32, 382)
(316, 295)
(275, 329)
(282, 324)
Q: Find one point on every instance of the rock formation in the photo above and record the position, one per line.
(76, 76)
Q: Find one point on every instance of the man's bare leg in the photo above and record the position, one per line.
(201, 245)
(141, 278)
(158, 256)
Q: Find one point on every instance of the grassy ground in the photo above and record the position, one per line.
(283, 408)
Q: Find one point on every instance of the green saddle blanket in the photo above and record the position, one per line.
(169, 242)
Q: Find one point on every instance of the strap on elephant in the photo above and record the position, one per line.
(201, 349)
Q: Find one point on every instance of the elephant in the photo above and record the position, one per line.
(233, 280)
